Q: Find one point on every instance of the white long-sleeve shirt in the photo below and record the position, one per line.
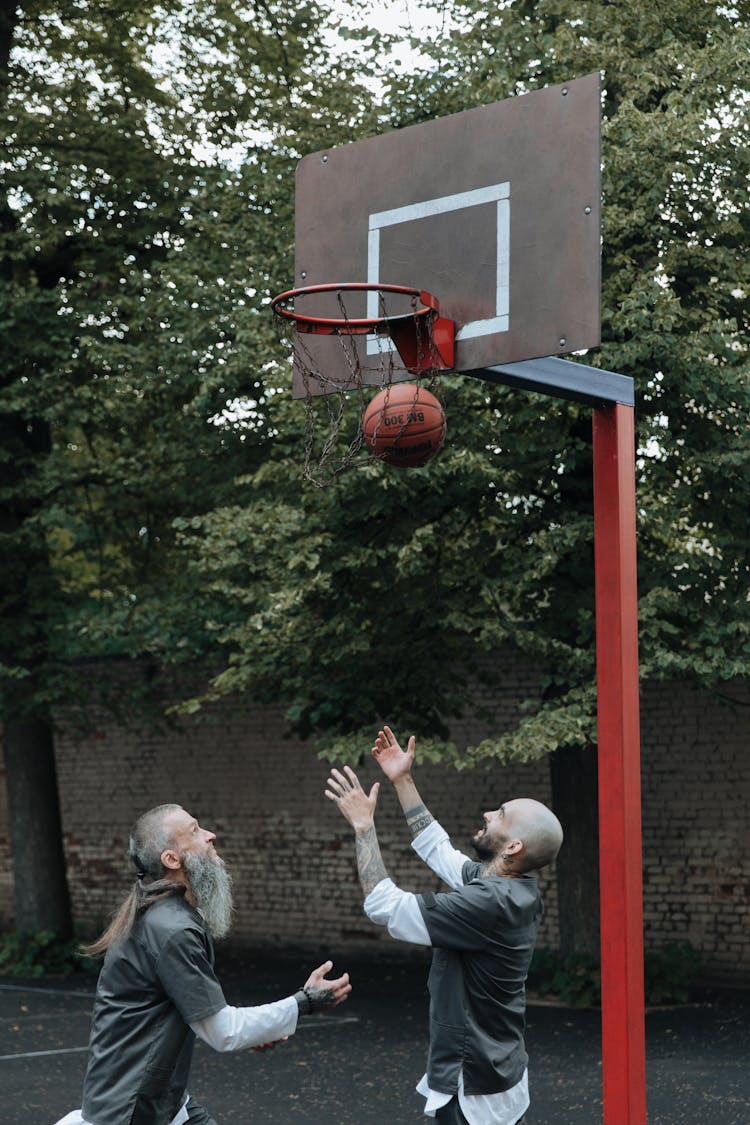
(399, 911)
(233, 1029)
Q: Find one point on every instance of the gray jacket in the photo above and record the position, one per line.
(152, 986)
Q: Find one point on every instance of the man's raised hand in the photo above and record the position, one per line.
(394, 762)
(356, 806)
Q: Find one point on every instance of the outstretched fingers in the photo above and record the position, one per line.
(354, 804)
(385, 740)
(327, 993)
(338, 785)
(394, 762)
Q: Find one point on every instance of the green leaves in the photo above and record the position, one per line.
(152, 500)
(134, 266)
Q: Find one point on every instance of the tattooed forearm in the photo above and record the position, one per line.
(318, 997)
(418, 818)
(369, 860)
(313, 998)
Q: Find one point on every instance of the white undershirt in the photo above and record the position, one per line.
(399, 911)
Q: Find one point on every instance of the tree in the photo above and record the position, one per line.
(131, 251)
(335, 601)
(151, 501)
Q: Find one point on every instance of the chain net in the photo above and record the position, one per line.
(335, 406)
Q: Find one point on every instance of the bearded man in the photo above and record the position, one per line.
(482, 933)
(157, 989)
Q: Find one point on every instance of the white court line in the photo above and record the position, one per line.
(305, 1022)
(331, 1020)
(91, 996)
(39, 1054)
(46, 991)
(326, 1021)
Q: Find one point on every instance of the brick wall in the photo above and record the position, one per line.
(292, 856)
(696, 825)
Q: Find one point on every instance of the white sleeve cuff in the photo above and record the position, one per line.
(433, 846)
(233, 1029)
(429, 838)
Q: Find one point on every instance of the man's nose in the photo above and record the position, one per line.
(210, 836)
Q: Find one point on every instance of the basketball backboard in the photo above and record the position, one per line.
(495, 211)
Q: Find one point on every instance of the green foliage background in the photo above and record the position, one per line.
(152, 501)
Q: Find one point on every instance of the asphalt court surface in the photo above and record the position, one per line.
(358, 1064)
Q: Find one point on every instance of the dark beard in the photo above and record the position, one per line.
(485, 852)
(211, 887)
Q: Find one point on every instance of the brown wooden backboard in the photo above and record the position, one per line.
(495, 211)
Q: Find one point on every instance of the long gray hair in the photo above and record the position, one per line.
(149, 838)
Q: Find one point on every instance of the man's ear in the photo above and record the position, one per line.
(513, 847)
(170, 860)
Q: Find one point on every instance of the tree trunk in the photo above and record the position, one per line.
(41, 889)
(573, 772)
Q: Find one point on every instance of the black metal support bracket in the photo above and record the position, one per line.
(563, 379)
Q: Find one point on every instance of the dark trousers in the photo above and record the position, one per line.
(451, 1114)
(197, 1115)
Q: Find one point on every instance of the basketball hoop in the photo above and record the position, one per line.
(410, 334)
(423, 338)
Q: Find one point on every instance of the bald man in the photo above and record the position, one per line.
(482, 933)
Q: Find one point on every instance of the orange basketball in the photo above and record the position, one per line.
(404, 425)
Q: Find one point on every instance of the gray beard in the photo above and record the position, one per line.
(211, 887)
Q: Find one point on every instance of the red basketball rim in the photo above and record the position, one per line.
(354, 326)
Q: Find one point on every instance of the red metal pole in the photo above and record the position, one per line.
(620, 850)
